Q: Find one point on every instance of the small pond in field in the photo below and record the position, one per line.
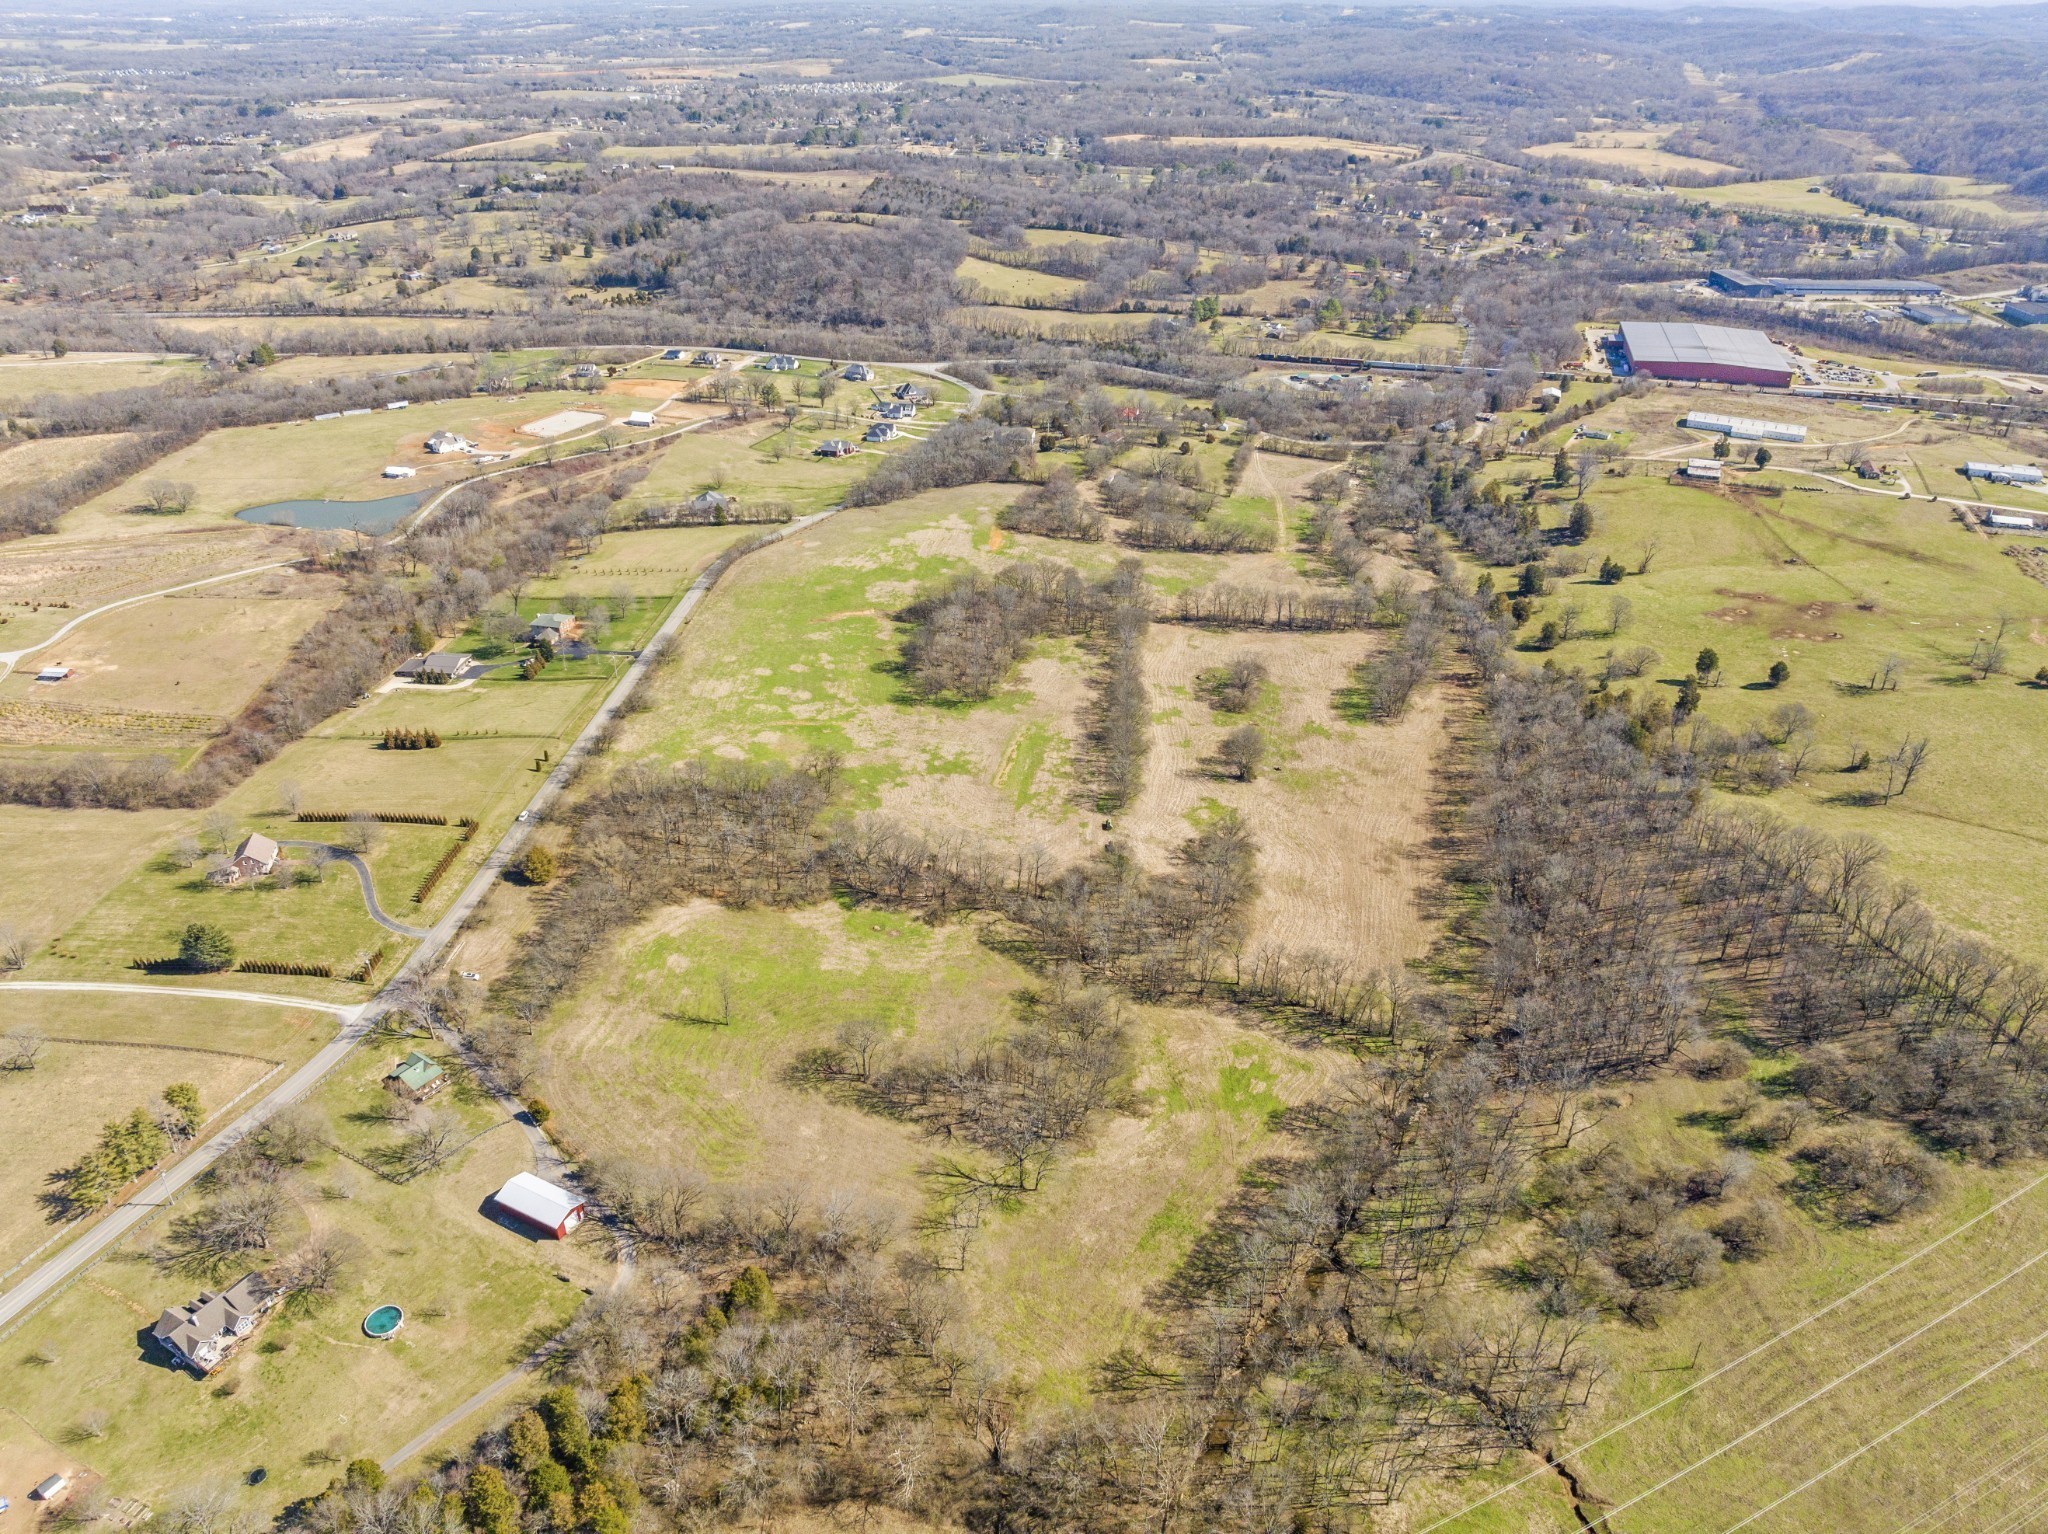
(378, 516)
(383, 1321)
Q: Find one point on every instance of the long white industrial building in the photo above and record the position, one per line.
(1743, 428)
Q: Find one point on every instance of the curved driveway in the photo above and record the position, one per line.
(377, 914)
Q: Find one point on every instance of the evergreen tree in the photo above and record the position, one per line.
(487, 1502)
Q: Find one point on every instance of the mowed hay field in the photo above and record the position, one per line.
(43, 894)
(52, 1115)
(203, 652)
(45, 582)
(1845, 1358)
(1831, 582)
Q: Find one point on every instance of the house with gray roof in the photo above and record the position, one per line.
(204, 1334)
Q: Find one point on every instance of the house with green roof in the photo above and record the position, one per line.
(415, 1078)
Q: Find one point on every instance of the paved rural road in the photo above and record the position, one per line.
(8, 658)
(358, 1021)
(377, 914)
(355, 1022)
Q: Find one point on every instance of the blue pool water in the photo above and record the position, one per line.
(383, 1321)
(378, 516)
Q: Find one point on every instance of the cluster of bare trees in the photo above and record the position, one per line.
(967, 451)
(1120, 716)
(970, 633)
(1314, 610)
(1054, 509)
(1164, 511)
(1151, 934)
(739, 832)
(1387, 680)
(1620, 1237)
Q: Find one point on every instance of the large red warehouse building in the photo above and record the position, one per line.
(1711, 352)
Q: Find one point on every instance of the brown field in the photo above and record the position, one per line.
(1342, 812)
(1631, 149)
(45, 582)
(42, 894)
(201, 652)
(29, 463)
(1061, 1280)
(51, 1116)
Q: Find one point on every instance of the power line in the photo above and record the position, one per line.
(1891, 1432)
(1734, 1363)
(2011, 1465)
(1800, 1405)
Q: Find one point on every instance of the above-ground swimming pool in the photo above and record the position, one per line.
(378, 516)
(383, 1321)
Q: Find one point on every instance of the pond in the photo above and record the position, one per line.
(383, 1321)
(378, 516)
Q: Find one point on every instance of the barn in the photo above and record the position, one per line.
(540, 1205)
(1714, 353)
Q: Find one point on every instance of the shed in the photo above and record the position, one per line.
(49, 1486)
(640, 418)
(53, 673)
(398, 471)
(535, 1202)
(1702, 468)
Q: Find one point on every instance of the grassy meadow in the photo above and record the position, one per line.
(1778, 568)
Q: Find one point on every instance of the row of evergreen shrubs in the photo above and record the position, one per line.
(387, 817)
(285, 967)
(412, 740)
(366, 971)
(419, 896)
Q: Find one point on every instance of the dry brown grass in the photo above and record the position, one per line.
(1342, 814)
(51, 1116)
(45, 582)
(198, 653)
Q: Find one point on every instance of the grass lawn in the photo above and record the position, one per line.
(477, 1297)
(1831, 582)
(141, 918)
(745, 463)
(658, 562)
